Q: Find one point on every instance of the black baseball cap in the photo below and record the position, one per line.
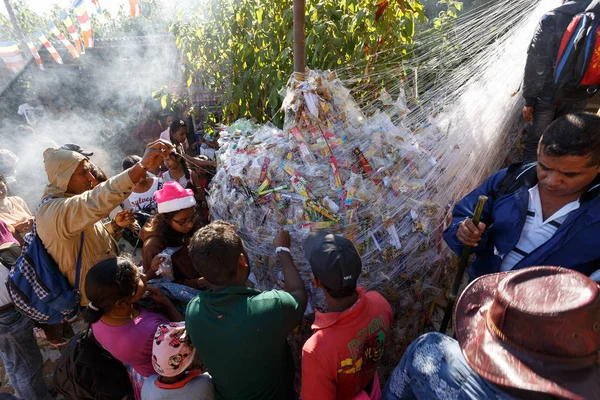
(333, 259)
(77, 148)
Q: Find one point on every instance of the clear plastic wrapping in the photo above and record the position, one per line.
(331, 168)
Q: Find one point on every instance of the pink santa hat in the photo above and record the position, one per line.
(172, 197)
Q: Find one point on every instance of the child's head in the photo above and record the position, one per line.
(111, 285)
(218, 254)
(130, 161)
(172, 351)
(176, 207)
(176, 163)
(335, 263)
(178, 131)
(173, 162)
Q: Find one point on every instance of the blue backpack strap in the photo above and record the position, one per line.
(34, 232)
(28, 238)
(78, 270)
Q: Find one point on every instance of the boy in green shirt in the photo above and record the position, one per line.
(240, 332)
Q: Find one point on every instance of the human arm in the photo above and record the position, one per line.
(157, 296)
(15, 234)
(464, 210)
(539, 67)
(152, 246)
(196, 283)
(199, 194)
(23, 227)
(199, 163)
(68, 216)
(151, 272)
(210, 143)
(293, 281)
(469, 234)
(316, 382)
(156, 152)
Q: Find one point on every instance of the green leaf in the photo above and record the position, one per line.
(244, 48)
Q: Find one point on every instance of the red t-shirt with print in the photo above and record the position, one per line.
(340, 358)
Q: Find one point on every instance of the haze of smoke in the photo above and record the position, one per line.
(96, 104)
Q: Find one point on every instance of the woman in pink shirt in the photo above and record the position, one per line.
(122, 327)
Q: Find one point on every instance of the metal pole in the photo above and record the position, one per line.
(299, 38)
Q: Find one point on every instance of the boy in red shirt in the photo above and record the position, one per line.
(339, 360)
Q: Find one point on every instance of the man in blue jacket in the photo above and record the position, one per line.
(544, 213)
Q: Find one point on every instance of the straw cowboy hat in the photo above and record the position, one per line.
(536, 329)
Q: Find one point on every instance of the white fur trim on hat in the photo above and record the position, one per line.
(176, 204)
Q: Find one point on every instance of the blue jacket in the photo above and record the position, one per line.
(575, 245)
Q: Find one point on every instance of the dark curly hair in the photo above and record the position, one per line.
(573, 135)
(130, 161)
(215, 250)
(106, 282)
(160, 223)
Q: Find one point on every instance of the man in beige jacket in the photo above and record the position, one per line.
(80, 207)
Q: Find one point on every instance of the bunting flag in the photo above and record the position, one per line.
(42, 38)
(34, 52)
(135, 7)
(97, 5)
(84, 23)
(52, 28)
(64, 16)
(11, 55)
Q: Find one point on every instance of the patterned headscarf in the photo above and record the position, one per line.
(172, 351)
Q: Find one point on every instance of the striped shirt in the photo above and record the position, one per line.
(536, 231)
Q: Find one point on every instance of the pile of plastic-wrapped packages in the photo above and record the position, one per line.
(333, 168)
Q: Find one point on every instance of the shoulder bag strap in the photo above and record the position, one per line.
(78, 271)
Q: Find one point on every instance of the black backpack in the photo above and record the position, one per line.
(86, 371)
(578, 59)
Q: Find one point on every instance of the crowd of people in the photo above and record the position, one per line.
(185, 322)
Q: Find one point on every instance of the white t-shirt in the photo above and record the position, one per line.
(144, 202)
(165, 135)
(183, 181)
(536, 231)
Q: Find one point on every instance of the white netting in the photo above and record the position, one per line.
(331, 168)
(384, 174)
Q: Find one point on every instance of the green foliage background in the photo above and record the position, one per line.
(243, 49)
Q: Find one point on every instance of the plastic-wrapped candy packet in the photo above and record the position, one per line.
(331, 167)
(165, 270)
